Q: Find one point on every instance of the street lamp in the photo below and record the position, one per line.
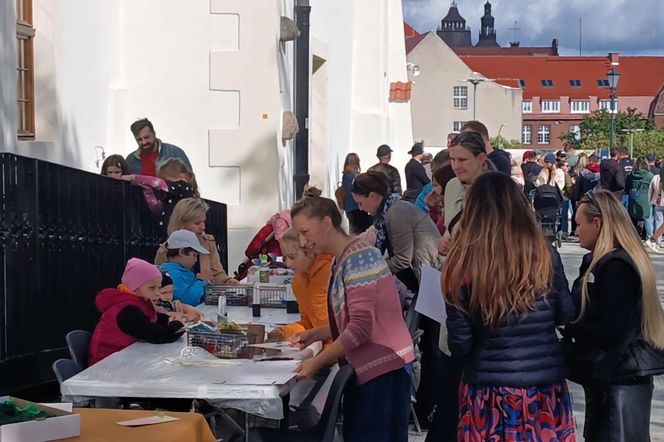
(613, 78)
(631, 139)
(475, 80)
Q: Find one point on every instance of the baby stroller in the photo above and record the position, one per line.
(546, 201)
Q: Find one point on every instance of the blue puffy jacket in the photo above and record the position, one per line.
(186, 288)
(520, 352)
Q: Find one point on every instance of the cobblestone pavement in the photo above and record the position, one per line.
(571, 255)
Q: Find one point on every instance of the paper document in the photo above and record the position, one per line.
(282, 346)
(152, 420)
(430, 300)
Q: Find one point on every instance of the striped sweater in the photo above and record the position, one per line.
(365, 313)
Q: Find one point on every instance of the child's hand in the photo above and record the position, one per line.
(194, 315)
(205, 275)
(177, 317)
(232, 281)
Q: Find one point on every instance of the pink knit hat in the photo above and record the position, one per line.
(138, 272)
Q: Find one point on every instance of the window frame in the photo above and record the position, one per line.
(546, 83)
(575, 83)
(25, 98)
(544, 131)
(527, 104)
(604, 104)
(585, 109)
(576, 130)
(546, 109)
(456, 126)
(461, 97)
(527, 135)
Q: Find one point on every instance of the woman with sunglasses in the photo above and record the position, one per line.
(615, 345)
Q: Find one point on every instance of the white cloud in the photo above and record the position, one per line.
(625, 26)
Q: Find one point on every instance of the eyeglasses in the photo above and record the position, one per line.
(589, 198)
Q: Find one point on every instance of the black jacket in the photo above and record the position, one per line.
(612, 177)
(416, 178)
(614, 291)
(392, 174)
(501, 160)
(522, 351)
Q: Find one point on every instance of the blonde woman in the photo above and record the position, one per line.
(190, 214)
(615, 345)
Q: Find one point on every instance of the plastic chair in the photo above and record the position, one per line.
(64, 369)
(326, 428)
(78, 342)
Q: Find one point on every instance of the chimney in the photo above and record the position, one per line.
(613, 58)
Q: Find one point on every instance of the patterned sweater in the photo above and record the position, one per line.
(365, 313)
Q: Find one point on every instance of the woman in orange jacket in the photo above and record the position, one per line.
(312, 275)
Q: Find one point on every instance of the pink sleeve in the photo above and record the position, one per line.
(281, 222)
(152, 201)
(152, 182)
(361, 316)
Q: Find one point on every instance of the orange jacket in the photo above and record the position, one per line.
(310, 290)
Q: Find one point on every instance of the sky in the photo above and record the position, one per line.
(634, 27)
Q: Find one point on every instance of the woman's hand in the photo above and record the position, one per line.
(308, 368)
(302, 340)
(444, 245)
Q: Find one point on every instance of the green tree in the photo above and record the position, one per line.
(596, 132)
(500, 142)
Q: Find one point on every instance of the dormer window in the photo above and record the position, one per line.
(575, 83)
(547, 83)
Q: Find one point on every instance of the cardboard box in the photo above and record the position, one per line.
(62, 426)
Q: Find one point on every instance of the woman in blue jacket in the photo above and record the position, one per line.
(506, 292)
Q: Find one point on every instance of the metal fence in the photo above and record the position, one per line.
(65, 234)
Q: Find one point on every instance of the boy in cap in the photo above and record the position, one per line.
(384, 154)
(183, 250)
(172, 307)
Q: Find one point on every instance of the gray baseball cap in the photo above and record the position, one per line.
(181, 239)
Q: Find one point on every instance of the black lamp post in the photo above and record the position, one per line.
(613, 78)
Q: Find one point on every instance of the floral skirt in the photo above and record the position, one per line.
(542, 413)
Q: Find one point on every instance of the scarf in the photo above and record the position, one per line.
(382, 241)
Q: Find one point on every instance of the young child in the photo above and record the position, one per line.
(172, 307)
(189, 214)
(128, 315)
(115, 166)
(183, 250)
(312, 274)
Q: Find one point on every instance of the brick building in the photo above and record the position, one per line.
(559, 91)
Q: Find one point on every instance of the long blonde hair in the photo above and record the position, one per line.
(618, 232)
(499, 253)
(184, 211)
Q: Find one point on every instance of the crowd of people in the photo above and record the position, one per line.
(497, 368)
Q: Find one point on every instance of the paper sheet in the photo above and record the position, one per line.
(430, 301)
(152, 420)
(281, 346)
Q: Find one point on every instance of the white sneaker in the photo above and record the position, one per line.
(652, 245)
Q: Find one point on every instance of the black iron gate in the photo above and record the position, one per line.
(64, 235)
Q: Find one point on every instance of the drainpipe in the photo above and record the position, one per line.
(301, 175)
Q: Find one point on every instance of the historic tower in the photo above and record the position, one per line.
(453, 29)
(488, 31)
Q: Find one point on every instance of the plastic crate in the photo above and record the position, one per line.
(222, 345)
(236, 294)
(272, 296)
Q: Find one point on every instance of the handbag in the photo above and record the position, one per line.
(633, 357)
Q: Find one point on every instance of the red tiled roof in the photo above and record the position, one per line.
(414, 41)
(409, 31)
(640, 76)
(400, 92)
(481, 50)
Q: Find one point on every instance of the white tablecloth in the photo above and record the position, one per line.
(143, 370)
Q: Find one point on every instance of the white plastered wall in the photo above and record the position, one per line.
(432, 104)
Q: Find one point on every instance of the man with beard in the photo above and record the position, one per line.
(151, 151)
